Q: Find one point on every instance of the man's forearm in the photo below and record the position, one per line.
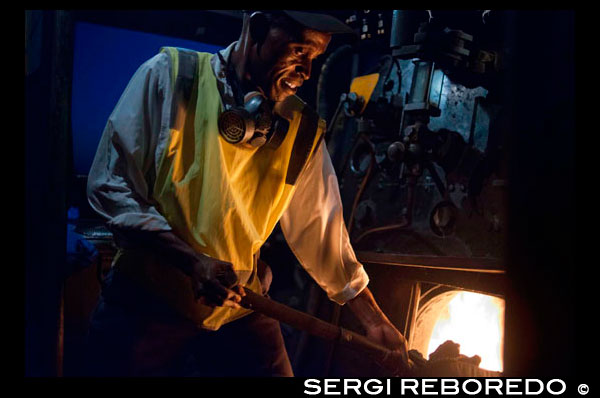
(366, 309)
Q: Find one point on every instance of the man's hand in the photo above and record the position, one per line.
(215, 282)
(381, 330)
(388, 336)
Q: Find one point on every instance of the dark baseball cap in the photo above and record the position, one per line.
(319, 22)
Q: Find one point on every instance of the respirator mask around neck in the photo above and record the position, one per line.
(252, 123)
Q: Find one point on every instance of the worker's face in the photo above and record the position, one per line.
(284, 61)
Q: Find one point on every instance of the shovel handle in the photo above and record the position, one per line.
(316, 327)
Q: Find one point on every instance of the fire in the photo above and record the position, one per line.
(476, 322)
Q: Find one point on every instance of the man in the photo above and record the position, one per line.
(190, 210)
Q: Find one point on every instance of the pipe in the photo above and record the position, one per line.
(363, 183)
(323, 77)
(401, 225)
(404, 25)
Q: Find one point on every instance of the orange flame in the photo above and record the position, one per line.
(476, 322)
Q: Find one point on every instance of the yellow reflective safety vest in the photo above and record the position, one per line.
(223, 200)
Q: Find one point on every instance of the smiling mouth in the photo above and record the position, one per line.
(292, 86)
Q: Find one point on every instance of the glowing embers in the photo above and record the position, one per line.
(475, 321)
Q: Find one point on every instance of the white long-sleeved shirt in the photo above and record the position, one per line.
(122, 176)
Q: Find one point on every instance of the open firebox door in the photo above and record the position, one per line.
(474, 321)
(453, 318)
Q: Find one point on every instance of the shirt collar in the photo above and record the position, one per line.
(227, 98)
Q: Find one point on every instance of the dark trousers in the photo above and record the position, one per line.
(136, 334)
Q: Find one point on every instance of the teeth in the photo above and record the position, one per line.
(290, 85)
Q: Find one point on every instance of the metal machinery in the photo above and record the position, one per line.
(417, 147)
(425, 147)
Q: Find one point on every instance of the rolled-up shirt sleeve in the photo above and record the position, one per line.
(122, 175)
(313, 225)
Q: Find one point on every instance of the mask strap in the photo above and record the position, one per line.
(233, 80)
